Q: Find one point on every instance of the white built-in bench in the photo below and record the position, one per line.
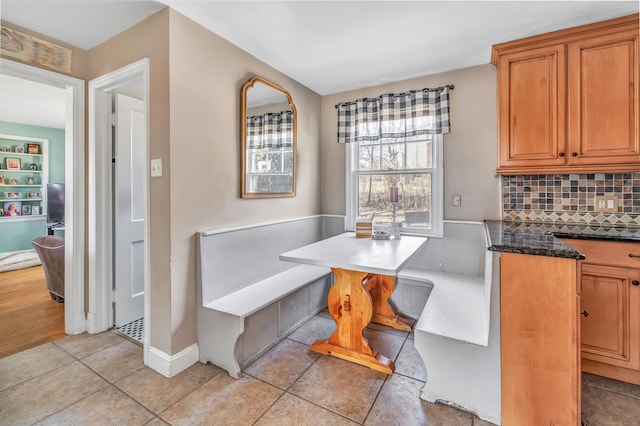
(456, 333)
(249, 300)
(455, 268)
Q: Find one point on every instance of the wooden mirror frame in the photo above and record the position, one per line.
(243, 142)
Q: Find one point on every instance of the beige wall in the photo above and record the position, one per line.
(470, 150)
(150, 39)
(196, 79)
(207, 75)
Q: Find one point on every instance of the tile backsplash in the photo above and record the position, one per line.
(571, 198)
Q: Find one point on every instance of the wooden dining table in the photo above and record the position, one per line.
(365, 270)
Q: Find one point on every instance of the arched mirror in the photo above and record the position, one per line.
(268, 141)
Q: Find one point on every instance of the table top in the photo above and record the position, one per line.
(345, 251)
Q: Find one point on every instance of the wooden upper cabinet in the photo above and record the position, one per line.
(532, 107)
(569, 100)
(603, 99)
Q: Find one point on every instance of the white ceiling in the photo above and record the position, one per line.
(26, 102)
(335, 46)
(329, 46)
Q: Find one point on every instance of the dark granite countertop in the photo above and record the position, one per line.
(543, 239)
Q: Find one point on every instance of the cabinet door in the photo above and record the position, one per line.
(610, 332)
(532, 107)
(539, 340)
(603, 115)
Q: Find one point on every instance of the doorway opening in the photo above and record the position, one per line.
(118, 217)
(74, 318)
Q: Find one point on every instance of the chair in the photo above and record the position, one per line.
(50, 249)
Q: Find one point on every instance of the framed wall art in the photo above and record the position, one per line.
(13, 163)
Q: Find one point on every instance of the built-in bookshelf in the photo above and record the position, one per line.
(24, 176)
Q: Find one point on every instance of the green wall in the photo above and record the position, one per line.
(18, 235)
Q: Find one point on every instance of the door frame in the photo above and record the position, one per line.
(74, 250)
(99, 221)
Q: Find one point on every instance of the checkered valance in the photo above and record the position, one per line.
(394, 116)
(271, 130)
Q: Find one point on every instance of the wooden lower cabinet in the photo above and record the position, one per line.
(540, 340)
(610, 281)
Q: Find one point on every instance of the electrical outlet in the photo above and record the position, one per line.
(156, 167)
(456, 200)
(606, 203)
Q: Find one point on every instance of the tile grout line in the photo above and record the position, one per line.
(298, 396)
(612, 391)
(109, 383)
(190, 392)
(386, 379)
(286, 391)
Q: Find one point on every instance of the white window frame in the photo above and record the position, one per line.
(437, 190)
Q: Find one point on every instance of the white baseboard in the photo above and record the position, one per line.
(170, 365)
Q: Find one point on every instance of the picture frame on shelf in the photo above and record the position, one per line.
(35, 210)
(33, 166)
(26, 210)
(2, 180)
(12, 195)
(34, 195)
(13, 163)
(30, 180)
(19, 150)
(13, 181)
(4, 149)
(12, 208)
(33, 148)
(1, 212)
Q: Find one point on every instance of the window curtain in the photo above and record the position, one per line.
(271, 130)
(394, 117)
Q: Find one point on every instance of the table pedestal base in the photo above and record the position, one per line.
(380, 288)
(374, 361)
(356, 299)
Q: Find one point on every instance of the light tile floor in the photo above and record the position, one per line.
(100, 380)
(609, 402)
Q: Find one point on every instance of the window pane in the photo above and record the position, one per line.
(369, 157)
(271, 160)
(392, 157)
(288, 162)
(271, 183)
(414, 198)
(419, 155)
(275, 162)
(259, 161)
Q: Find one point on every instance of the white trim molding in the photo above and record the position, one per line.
(74, 315)
(100, 229)
(170, 365)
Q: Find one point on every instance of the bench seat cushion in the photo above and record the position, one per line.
(456, 306)
(256, 296)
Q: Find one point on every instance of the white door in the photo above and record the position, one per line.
(129, 209)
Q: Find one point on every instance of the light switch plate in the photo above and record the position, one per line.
(156, 167)
(456, 200)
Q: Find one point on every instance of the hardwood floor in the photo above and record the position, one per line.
(28, 316)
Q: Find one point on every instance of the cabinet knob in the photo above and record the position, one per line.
(574, 154)
(635, 282)
(561, 154)
(585, 313)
